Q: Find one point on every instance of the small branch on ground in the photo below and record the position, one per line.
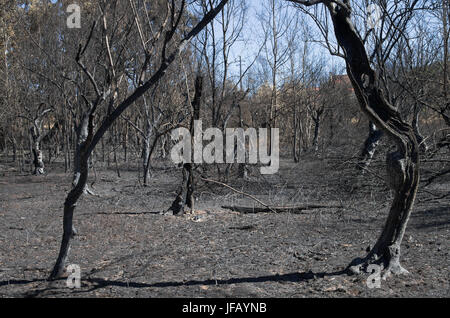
(280, 209)
(240, 192)
(268, 208)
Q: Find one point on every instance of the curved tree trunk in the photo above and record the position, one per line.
(69, 208)
(94, 138)
(402, 165)
(84, 133)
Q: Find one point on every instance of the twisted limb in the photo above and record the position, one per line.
(402, 173)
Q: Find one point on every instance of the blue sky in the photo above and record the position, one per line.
(252, 39)
(249, 46)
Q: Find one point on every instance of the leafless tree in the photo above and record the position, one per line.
(106, 88)
(36, 133)
(403, 164)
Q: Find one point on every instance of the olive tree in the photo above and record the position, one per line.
(403, 164)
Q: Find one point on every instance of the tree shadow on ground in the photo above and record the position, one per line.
(20, 281)
(435, 217)
(290, 277)
(16, 282)
(93, 283)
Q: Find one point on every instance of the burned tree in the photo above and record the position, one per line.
(185, 193)
(370, 146)
(36, 136)
(316, 116)
(403, 164)
(170, 47)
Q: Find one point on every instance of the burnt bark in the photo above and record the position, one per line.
(38, 157)
(69, 208)
(146, 157)
(14, 146)
(93, 138)
(295, 153)
(147, 147)
(370, 146)
(185, 193)
(403, 164)
(317, 118)
(79, 187)
(242, 167)
(82, 134)
(36, 138)
(177, 207)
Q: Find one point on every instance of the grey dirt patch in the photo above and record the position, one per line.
(127, 247)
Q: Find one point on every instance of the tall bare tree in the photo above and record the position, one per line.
(403, 164)
(106, 87)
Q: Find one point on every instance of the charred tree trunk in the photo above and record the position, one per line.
(94, 138)
(190, 188)
(402, 165)
(185, 194)
(369, 148)
(125, 143)
(69, 208)
(79, 187)
(196, 116)
(146, 143)
(146, 158)
(82, 134)
(38, 157)
(317, 119)
(242, 167)
(177, 206)
(316, 135)
(295, 153)
(36, 138)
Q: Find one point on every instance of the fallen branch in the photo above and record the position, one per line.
(240, 192)
(280, 209)
(268, 208)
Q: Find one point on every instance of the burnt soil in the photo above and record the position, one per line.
(126, 247)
